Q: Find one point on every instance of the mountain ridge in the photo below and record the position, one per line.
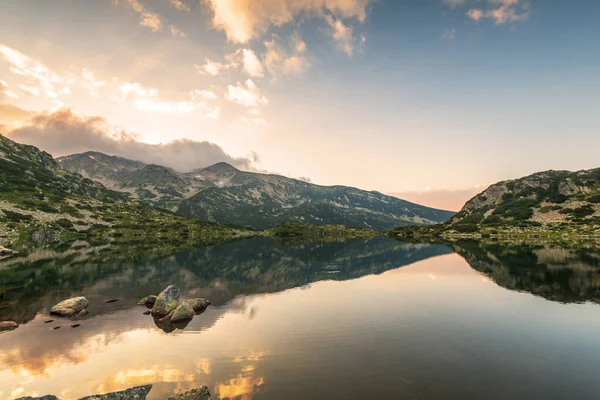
(223, 193)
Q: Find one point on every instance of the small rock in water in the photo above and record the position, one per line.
(75, 325)
(148, 312)
(199, 304)
(55, 327)
(135, 393)
(183, 312)
(8, 325)
(147, 301)
(167, 301)
(70, 307)
(48, 321)
(112, 300)
(83, 313)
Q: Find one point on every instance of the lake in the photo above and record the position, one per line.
(364, 319)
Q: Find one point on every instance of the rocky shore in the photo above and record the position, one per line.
(136, 393)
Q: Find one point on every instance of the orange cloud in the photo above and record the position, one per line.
(243, 20)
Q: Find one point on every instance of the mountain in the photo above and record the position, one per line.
(154, 184)
(547, 199)
(265, 200)
(222, 193)
(549, 203)
(41, 200)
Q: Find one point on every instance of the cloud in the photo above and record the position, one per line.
(148, 99)
(11, 114)
(213, 68)
(441, 198)
(448, 34)
(243, 20)
(151, 20)
(64, 132)
(175, 31)
(180, 5)
(252, 64)
(37, 77)
(342, 35)
(502, 11)
(247, 95)
(288, 60)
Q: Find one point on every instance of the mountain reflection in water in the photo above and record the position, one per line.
(363, 319)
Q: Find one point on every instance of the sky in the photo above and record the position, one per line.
(428, 100)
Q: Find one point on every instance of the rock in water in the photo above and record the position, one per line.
(183, 312)
(83, 313)
(70, 306)
(195, 394)
(147, 301)
(111, 300)
(136, 393)
(8, 325)
(167, 301)
(198, 304)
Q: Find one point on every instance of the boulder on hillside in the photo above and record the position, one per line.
(198, 304)
(70, 307)
(183, 312)
(167, 301)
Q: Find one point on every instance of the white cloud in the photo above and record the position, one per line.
(180, 5)
(37, 77)
(151, 20)
(252, 64)
(175, 31)
(90, 83)
(247, 95)
(342, 34)
(213, 68)
(243, 20)
(286, 60)
(203, 94)
(502, 11)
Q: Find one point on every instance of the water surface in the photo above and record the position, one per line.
(373, 319)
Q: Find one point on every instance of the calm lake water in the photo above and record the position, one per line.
(365, 319)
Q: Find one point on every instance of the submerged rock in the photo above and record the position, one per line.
(195, 394)
(135, 393)
(55, 327)
(75, 325)
(148, 312)
(167, 301)
(48, 321)
(82, 313)
(198, 304)
(183, 312)
(112, 300)
(70, 307)
(147, 301)
(8, 325)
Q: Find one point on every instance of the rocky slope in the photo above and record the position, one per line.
(40, 200)
(545, 199)
(265, 200)
(222, 193)
(154, 184)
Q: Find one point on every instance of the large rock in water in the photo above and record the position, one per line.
(183, 312)
(167, 301)
(135, 393)
(8, 325)
(70, 306)
(198, 304)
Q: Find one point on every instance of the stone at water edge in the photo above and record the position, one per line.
(70, 307)
(112, 300)
(167, 301)
(183, 312)
(82, 313)
(147, 301)
(198, 304)
(8, 325)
